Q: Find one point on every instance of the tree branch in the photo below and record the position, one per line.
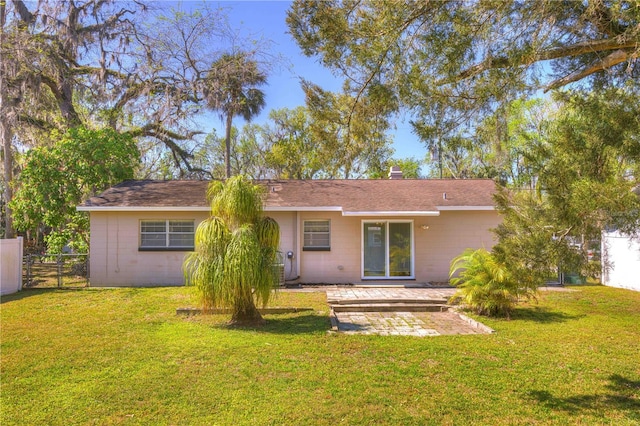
(593, 46)
(168, 138)
(613, 59)
(25, 15)
(106, 24)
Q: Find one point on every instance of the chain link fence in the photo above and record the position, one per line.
(55, 270)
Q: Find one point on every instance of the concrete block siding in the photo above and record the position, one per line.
(117, 261)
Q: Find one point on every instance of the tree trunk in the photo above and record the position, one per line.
(246, 314)
(6, 135)
(8, 177)
(227, 142)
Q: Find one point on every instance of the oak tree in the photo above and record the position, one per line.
(466, 58)
(55, 179)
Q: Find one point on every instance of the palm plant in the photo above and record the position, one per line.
(232, 265)
(485, 285)
(231, 89)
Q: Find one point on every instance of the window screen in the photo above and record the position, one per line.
(317, 235)
(167, 234)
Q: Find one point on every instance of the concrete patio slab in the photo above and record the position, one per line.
(384, 311)
(342, 294)
(420, 324)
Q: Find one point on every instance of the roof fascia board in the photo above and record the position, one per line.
(302, 209)
(198, 208)
(392, 213)
(142, 209)
(465, 208)
(287, 209)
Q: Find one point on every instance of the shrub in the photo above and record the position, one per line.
(485, 285)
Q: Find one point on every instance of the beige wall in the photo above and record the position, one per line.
(342, 263)
(116, 261)
(288, 231)
(447, 236)
(114, 256)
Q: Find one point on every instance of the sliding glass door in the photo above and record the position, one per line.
(387, 249)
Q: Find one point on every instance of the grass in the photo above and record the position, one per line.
(122, 356)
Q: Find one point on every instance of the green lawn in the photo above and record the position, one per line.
(124, 357)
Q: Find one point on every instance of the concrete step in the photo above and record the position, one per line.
(390, 307)
(373, 301)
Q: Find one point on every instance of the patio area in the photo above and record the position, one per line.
(398, 311)
(395, 311)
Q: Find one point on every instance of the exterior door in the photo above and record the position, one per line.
(387, 249)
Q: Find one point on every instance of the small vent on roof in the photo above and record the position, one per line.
(444, 195)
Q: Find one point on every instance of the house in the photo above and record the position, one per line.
(332, 231)
(620, 260)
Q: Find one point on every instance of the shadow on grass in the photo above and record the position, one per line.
(622, 395)
(26, 292)
(542, 315)
(304, 323)
(587, 284)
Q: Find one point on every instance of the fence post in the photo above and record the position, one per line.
(87, 270)
(28, 277)
(59, 262)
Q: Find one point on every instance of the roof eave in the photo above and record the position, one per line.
(465, 208)
(142, 208)
(391, 213)
(288, 209)
(302, 209)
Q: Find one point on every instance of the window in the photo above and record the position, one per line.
(317, 235)
(166, 235)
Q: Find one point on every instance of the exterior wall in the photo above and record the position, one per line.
(10, 265)
(288, 232)
(342, 263)
(434, 248)
(448, 236)
(621, 261)
(115, 260)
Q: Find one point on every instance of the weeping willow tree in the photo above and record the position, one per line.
(235, 252)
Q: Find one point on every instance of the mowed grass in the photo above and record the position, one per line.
(123, 356)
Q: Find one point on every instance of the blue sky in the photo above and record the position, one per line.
(267, 19)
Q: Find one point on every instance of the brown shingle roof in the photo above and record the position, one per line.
(152, 193)
(351, 196)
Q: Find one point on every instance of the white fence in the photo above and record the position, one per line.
(10, 265)
(621, 261)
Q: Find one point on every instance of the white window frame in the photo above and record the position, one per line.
(167, 235)
(305, 233)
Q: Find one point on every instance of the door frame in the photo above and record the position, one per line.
(386, 245)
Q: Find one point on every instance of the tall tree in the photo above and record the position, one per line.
(353, 135)
(503, 146)
(7, 121)
(248, 154)
(231, 88)
(235, 251)
(469, 57)
(133, 66)
(55, 179)
(292, 151)
(586, 173)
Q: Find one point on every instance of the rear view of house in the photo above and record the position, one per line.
(332, 231)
